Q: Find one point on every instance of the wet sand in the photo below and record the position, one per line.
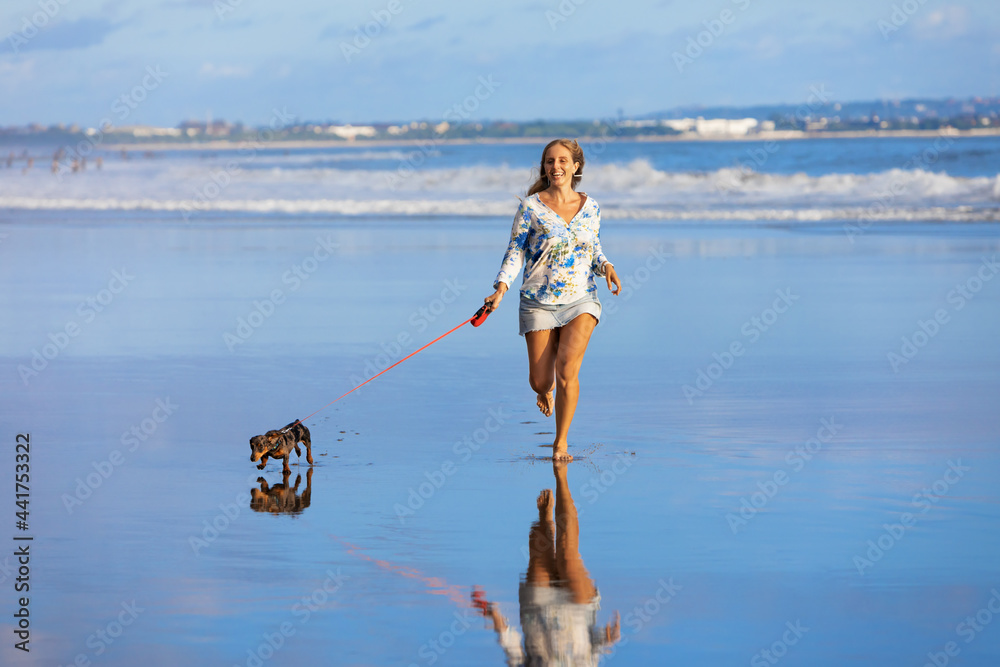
(800, 497)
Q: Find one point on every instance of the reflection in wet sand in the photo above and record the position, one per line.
(281, 498)
(558, 599)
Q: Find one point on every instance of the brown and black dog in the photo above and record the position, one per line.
(281, 498)
(279, 445)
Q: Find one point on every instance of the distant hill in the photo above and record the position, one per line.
(908, 109)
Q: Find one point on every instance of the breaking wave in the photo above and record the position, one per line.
(632, 190)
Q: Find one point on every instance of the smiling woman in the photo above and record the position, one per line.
(556, 236)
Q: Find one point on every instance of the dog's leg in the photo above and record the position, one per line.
(263, 462)
(298, 452)
(307, 441)
(286, 470)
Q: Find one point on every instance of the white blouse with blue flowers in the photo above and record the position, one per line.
(560, 260)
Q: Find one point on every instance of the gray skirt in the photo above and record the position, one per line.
(535, 316)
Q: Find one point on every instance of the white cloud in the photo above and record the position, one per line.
(15, 72)
(768, 47)
(947, 22)
(224, 71)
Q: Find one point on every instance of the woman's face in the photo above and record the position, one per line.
(559, 165)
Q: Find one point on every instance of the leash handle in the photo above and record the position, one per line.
(481, 315)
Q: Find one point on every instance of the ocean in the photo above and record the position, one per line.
(938, 178)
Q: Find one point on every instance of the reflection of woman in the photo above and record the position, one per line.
(558, 599)
(556, 236)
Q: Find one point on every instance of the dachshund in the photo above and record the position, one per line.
(279, 445)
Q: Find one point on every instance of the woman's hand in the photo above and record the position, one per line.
(613, 630)
(493, 300)
(609, 273)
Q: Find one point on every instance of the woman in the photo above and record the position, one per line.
(556, 235)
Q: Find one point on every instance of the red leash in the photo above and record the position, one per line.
(476, 320)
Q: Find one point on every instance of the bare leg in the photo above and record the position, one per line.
(541, 544)
(542, 349)
(568, 560)
(573, 340)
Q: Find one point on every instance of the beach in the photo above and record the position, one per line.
(786, 443)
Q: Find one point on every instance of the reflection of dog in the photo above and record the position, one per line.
(279, 445)
(280, 498)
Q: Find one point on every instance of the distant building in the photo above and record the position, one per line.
(725, 126)
(351, 132)
(639, 123)
(682, 125)
(215, 128)
(142, 131)
(714, 126)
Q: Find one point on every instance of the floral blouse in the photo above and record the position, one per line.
(560, 260)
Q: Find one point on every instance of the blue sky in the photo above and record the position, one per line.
(69, 60)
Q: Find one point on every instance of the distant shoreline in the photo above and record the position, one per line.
(775, 135)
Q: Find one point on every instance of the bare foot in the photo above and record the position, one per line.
(559, 453)
(545, 404)
(544, 503)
